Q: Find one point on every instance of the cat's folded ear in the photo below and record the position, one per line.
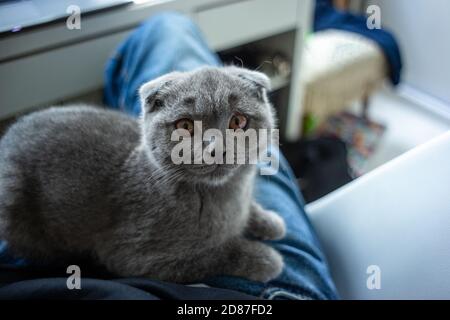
(150, 92)
(258, 79)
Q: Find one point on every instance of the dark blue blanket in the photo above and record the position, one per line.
(327, 17)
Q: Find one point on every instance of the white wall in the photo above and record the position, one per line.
(422, 28)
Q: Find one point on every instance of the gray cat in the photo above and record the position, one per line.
(82, 181)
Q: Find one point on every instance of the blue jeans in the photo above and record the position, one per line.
(169, 42)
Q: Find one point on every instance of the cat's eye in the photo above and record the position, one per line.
(238, 121)
(186, 124)
(158, 103)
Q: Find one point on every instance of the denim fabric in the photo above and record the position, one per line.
(169, 42)
(305, 275)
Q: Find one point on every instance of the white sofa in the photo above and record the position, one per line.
(392, 224)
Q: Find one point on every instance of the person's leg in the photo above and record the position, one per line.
(305, 274)
(171, 42)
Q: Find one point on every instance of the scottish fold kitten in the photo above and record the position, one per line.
(80, 181)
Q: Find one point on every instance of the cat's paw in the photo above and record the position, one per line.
(276, 229)
(266, 225)
(268, 266)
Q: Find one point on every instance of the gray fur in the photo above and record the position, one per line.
(79, 181)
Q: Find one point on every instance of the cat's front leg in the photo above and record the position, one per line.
(249, 259)
(265, 224)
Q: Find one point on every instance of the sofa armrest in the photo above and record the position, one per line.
(394, 224)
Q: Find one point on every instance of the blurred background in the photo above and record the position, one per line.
(355, 83)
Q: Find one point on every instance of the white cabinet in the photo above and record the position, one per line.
(230, 24)
(49, 63)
